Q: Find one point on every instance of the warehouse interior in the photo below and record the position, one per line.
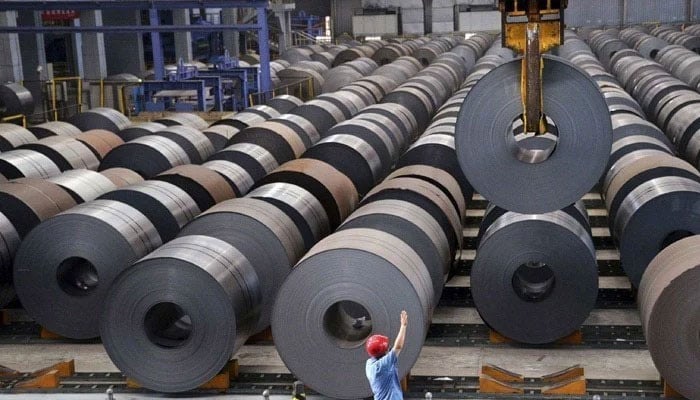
(224, 199)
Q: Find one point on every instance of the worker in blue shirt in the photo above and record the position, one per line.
(382, 368)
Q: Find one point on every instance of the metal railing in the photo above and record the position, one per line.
(303, 89)
(11, 118)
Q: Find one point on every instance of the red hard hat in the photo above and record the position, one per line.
(377, 345)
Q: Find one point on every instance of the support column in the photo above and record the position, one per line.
(157, 46)
(11, 60)
(283, 12)
(33, 51)
(183, 40)
(232, 39)
(263, 36)
(93, 52)
(125, 49)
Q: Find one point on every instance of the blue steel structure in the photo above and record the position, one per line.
(153, 6)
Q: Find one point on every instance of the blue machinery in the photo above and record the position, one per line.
(264, 84)
(213, 89)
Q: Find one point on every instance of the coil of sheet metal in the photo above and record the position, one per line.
(669, 313)
(519, 173)
(15, 99)
(100, 118)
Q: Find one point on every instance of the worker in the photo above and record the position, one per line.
(382, 367)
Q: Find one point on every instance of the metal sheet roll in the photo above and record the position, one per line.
(338, 77)
(381, 274)
(66, 152)
(122, 177)
(491, 161)
(23, 205)
(354, 157)
(284, 103)
(84, 185)
(303, 127)
(437, 151)
(238, 178)
(249, 163)
(415, 100)
(178, 339)
(278, 139)
(13, 136)
(139, 130)
(670, 314)
(333, 190)
(388, 144)
(428, 196)
(166, 205)
(54, 128)
(264, 233)
(100, 118)
(15, 99)
(652, 210)
(22, 163)
(219, 135)
(631, 144)
(184, 119)
(100, 142)
(321, 113)
(65, 266)
(196, 144)
(629, 125)
(535, 277)
(205, 186)
(148, 155)
(402, 116)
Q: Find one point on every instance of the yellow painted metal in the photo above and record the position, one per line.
(16, 117)
(530, 28)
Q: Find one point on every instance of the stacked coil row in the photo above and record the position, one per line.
(124, 225)
(257, 239)
(652, 199)
(396, 49)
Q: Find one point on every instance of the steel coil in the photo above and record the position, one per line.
(54, 128)
(173, 325)
(24, 163)
(15, 99)
(148, 155)
(278, 139)
(669, 314)
(100, 142)
(491, 164)
(183, 119)
(284, 103)
(100, 118)
(84, 185)
(13, 136)
(205, 186)
(647, 202)
(139, 130)
(535, 277)
(66, 152)
(219, 135)
(243, 164)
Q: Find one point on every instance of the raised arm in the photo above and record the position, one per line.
(398, 344)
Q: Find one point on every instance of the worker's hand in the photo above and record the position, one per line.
(404, 318)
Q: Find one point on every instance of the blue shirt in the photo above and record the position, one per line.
(383, 376)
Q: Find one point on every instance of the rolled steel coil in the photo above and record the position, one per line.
(142, 129)
(24, 204)
(172, 318)
(25, 163)
(54, 128)
(298, 72)
(251, 116)
(535, 277)
(278, 139)
(258, 225)
(490, 163)
(669, 314)
(296, 54)
(394, 255)
(323, 114)
(66, 152)
(242, 165)
(100, 118)
(205, 186)
(15, 99)
(324, 58)
(314, 194)
(122, 177)
(353, 53)
(109, 234)
(184, 119)
(219, 135)
(284, 103)
(195, 143)
(13, 136)
(84, 185)
(100, 142)
(648, 202)
(153, 154)
(390, 52)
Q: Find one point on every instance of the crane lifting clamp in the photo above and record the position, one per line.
(531, 28)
